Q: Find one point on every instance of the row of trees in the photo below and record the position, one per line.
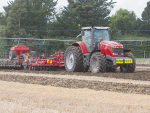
(34, 17)
(27, 15)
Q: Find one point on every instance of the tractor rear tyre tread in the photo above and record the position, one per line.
(130, 68)
(78, 59)
(101, 62)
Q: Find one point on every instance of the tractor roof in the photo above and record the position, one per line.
(84, 28)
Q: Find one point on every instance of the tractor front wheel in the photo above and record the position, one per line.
(129, 68)
(98, 62)
(73, 59)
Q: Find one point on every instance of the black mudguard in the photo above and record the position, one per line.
(126, 50)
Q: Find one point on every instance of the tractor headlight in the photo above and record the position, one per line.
(122, 53)
(114, 47)
(117, 46)
(115, 53)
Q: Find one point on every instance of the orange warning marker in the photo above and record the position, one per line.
(49, 61)
(27, 55)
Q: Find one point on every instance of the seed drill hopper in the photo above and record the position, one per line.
(16, 58)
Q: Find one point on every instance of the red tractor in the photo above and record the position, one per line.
(98, 53)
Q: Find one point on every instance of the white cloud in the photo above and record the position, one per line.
(62, 3)
(3, 3)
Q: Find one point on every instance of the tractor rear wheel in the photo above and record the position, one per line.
(129, 68)
(73, 59)
(12, 55)
(98, 62)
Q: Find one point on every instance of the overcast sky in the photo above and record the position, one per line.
(132, 5)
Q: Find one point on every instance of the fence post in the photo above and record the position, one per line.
(144, 54)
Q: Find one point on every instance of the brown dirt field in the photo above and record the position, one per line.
(30, 98)
(60, 91)
(73, 81)
(142, 72)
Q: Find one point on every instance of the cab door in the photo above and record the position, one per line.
(87, 40)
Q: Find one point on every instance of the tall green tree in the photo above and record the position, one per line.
(84, 12)
(146, 15)
(5, 14)
(1, 18)
(140, 24)
(123, 20)
(39, 16)
(17, 13)
(31, 15)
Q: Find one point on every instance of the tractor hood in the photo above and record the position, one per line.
(112, 44)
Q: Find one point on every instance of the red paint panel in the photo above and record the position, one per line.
(20, 49)
(82, 45)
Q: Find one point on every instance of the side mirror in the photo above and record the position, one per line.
(82, 33)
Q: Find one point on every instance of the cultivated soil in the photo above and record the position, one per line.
(79, 92)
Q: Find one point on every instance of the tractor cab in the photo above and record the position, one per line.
(91, 37)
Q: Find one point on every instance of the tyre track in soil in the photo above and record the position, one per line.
(75, 83)
(137, 75)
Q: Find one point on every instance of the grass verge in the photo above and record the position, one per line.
(142, 59)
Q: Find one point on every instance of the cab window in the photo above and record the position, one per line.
(101, 35)
(86, 39)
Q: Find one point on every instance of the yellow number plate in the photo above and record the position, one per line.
(119, 61)
(128, 60)
(49, 61)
